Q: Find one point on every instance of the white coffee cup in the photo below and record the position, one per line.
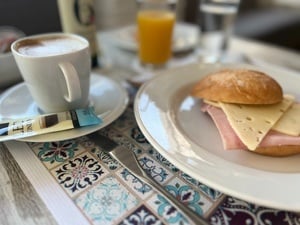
(56, 69)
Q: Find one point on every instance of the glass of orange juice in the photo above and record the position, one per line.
(155, 23)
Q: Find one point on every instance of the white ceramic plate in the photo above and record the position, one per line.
(172, 122)
(107, 97)
(185, 37)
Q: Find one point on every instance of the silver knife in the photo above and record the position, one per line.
(128, 160)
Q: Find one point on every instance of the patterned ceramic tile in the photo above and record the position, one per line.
(104, 157)
(211, 193)
(165, 210)
(162, 160)
(236, 212)
(183, 193)
(190, 197)
(135, 185)
(55, 153)
(121, 139)
(87, 143)
(142, 216)
(135, 134)
(107, 201)
(157, 172)
(79, 173)
(138, 136)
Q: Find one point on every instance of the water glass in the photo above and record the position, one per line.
(216, 21)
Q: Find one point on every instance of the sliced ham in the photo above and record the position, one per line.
(231, 141)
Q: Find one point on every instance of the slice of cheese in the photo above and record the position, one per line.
(252, 122)
(289, 123)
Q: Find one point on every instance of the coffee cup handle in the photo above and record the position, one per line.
(72, 81)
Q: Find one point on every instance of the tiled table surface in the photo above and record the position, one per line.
(106, 193)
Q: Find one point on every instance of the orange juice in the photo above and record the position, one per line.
(155, 29)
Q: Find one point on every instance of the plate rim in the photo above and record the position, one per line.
(294, 206)
(108, 118)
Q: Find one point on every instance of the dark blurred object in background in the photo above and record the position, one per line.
(30, 16)
(271, 21)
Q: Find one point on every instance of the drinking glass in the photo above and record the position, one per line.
(216, 21)
(155, 23)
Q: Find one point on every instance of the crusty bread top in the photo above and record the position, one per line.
(242, 86)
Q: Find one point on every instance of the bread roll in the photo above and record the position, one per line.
(239, 86)
(278, 151)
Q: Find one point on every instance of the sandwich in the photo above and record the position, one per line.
(250, 111)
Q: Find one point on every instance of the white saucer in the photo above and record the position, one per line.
(143, 74)
(107, 96)
(185, 37)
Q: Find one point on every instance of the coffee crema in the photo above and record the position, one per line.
(49, 46)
